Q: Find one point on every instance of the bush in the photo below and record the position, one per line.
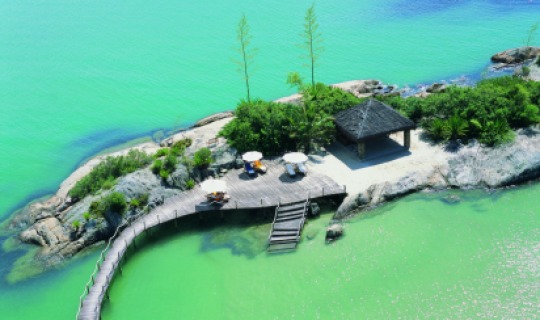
(76, 224)
(114, 202)
(274, 128)
(87, 216)
(488, 112)
(161, 152)
(139, 201)
(105, 173)
(156, 166)
(190, 184)
(202, 158)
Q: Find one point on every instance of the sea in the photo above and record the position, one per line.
(80, 77)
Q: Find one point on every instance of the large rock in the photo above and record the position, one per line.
(47, 232)
(472, 166)
(137, 183)
(213, 118)
(516, 55)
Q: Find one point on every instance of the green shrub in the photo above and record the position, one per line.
(202, 158)
(164, 174)
(87, 216)
(114, 202)
(190, 184)
(156, 166)
(488, 111)
(170, 162)
(108, 184)
(161, 152)
(139, 201)
(107, 171)
(182, 144)
(76, 224)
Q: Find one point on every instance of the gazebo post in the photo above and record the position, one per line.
(407, 138)
(361, 149)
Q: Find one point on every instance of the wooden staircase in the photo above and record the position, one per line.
(287, 225)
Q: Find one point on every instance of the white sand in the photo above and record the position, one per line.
(345, 167)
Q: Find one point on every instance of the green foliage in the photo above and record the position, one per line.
(76, 224)
(202, 158)
(486, 112)
(164, 174)
(139, 201)
(87, 216)
(156, 166)
(114, 202)
(161, 152)
(108, 184)
(312, 40)
(181, 145)
(190, 184)
(246, 52)
(273, 128)
(105, 173)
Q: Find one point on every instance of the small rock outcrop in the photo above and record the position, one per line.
(516, 55)
(334, 231)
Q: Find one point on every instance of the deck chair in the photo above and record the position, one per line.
(249, 168)
(259, 167)
(301, 168)
(290, 169)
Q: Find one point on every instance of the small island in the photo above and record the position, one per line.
(362, 149)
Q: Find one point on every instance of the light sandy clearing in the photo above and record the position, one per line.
(385, 162)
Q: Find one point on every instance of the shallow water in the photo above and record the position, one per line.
(77, 77)
(420, 257)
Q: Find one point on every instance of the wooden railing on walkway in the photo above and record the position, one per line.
(265, 191)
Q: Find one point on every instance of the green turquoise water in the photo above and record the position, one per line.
(417, 258)
(80, 76)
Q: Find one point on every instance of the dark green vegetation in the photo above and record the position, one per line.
(140, 201)
(202, 158)
(104, 175)
(488, 112)
(114, 202)
(167, 158)
(273, 128)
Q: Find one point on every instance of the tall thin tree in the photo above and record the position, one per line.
(312, 39)
(246, 51)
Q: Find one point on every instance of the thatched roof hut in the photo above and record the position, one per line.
(372, 119)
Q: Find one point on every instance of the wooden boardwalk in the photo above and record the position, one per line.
(263, 191)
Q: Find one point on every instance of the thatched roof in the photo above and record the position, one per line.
(371, 119)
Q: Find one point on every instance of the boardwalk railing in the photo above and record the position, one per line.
(98, 284)
(100, 260)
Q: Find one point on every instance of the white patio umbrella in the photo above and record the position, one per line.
(252, 156)
(295, 157)
(212, 185)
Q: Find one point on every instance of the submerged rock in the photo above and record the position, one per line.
(334, 232)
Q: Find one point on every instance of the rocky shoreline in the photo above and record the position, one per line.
(48, 223)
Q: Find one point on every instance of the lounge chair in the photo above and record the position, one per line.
(249, 169)
(259, 167)
(290, 169)
(301, 168)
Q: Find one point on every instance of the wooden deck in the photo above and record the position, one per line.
(263, 191)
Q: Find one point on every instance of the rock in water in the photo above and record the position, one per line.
(333, 232)
(516, 55)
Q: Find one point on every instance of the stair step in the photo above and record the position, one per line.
(284, 233)
(290, 213)
(278, 239)
(288, 225)
(298, 216)
(277, 247)
(291, 207)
